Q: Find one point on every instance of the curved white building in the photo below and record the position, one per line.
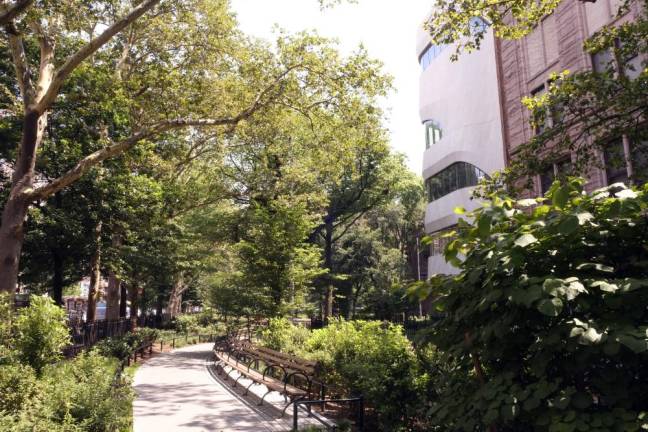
(460, 108)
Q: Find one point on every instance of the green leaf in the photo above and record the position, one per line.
(561, 196)
(604, 286)
(591, 337)
(635, 344)
(568, 225)
(525, 239)
(484, 226)
(595, 266)
(551, 307)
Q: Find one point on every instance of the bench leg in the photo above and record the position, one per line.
(266, 394)
(283, 412)
(247, 389)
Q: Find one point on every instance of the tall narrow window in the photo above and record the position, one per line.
(639, 157)
(433, 133)
(615, 162)
(540, 126)
(547, 177)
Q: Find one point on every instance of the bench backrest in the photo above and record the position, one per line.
(287, 361)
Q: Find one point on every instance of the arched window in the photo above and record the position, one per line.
(433, 133)
(457, 176)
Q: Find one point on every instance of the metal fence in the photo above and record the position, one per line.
(86, 334)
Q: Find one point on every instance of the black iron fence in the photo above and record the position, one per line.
(86, 334)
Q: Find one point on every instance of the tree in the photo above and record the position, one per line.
(165, 85)
(544, 327)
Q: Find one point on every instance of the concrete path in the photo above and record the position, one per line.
(176, 392)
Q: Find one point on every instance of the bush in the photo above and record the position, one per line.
(202, 322)
(41, 333)
(376, 360)
(18, 385)
(84, 392)
(546, 325)
(282, 335)
(122, 347)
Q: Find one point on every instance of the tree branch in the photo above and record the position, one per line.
(21, 64)
(13, 11)
(87, 50)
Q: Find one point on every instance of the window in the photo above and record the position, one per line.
(430, 53)
(457, 176)
(547, 177)
(438, 243)
(639, 157)
(542, 46)
(561, 170)
(633, 67)
(603, 61)
(541, 126)
(433, 133)
(615, 162)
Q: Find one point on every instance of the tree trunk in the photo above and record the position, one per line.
(113, 290)
(123, 297)
(175, 299)
(57, 277)
(328, 263)
(15, 209)
(135, 295)
(95, 276)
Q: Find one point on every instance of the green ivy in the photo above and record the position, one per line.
(546, 326)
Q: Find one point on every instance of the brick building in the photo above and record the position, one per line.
(524, 69)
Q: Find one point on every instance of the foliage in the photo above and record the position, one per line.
(545, 326)
(282, 335)
(203, 322)
(122, 347)
(18, 385)
(376, 360)
(41, 333)
(7, 348)
(84, 391)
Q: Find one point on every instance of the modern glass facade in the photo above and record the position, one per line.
(430, 53)
(456, 176)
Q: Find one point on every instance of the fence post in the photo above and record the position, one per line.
(173, 342)
(295, 414)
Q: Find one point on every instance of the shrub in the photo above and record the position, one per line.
(202, 322)
(41, 333)
(376, 360)
(84, 391)
(17, 386)
(546, 325)
(282, 335)
(122, 347)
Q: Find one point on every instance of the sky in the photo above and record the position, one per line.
(387, 29)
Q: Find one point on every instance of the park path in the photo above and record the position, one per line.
(176, 392)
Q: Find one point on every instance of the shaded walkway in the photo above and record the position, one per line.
(176, 392)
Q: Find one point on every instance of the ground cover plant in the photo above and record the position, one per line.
(545, 327)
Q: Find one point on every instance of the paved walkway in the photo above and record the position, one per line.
(176, 392)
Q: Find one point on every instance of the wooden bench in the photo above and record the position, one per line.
(288, 375)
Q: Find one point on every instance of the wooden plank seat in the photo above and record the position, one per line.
(287, 376)
(267, 355)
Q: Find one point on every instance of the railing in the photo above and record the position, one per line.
(86, 334)
(180, 339)
(356, 404)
